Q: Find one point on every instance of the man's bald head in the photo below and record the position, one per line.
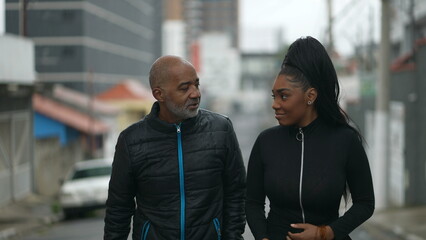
(160, 69)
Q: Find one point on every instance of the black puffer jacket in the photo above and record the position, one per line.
(199, 195)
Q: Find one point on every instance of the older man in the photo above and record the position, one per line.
(181, 165)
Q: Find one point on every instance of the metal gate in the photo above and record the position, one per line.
(16, 155)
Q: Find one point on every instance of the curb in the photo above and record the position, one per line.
(28, 227)
(397, 232)
(8, 233)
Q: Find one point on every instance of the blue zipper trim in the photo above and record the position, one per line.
(217, 227)
(145, 230)
(181, 182)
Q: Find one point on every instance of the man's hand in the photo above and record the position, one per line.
(310, 232)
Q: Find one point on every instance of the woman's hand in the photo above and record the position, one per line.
(310, 232)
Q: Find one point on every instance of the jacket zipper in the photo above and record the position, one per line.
(217, 227)
(301, 137)
(145, 230)
(181, 183)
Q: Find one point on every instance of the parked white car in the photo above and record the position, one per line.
(86, 187)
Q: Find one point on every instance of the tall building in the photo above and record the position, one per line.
(221, 16)
(173, 28)
(203, 16)
(206, 32)
(89, 45)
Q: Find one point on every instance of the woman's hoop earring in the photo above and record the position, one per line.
(309, 102)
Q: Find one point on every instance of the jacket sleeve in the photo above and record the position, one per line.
(120, 205)
(234, 186)
(255, 205)
(361, 189)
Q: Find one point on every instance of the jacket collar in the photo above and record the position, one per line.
(162, 126)
(308, 129)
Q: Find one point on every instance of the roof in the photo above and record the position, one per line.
(68, 116)
(406, 62)
(403, 63)
(127, 90)
(84, 101)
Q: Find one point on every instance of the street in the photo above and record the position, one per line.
(247, 127)
(88, 228)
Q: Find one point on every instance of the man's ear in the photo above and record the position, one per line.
(158, 94)
(312, 94)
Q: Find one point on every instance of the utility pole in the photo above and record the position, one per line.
(90, 107)
(413, 25)
(23, 17)
(330, 46)
(381, 126)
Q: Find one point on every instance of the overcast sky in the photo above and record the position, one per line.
(260, 21)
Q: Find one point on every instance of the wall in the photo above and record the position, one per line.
(16, 146)
(52, 163)
(406, 93)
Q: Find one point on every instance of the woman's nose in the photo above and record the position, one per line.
(275, 105)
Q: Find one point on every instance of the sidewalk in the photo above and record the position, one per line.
(407, 223)
(26, 215)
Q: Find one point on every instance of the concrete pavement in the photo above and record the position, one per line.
(27, 215)
(407, 223)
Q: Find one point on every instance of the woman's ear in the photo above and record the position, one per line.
(158, 94)
(311, 95)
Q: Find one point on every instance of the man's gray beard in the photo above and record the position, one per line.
(181, 111)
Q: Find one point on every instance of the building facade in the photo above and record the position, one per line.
(17, 77)
(193, 18)
(173, 28)
(89, 45)
(408, 25)
(405, 171)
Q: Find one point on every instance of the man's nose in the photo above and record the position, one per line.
(195, 93)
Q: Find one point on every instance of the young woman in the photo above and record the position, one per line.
(313, 158)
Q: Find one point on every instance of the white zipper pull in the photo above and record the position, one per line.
(300, 135)
(178, 128)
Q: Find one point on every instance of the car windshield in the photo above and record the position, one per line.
(92, 172)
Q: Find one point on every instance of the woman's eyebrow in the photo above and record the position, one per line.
(282, 90)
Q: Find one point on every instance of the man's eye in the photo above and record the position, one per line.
(273, 96)
(284, 97)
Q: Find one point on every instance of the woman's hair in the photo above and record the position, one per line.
(308, 63)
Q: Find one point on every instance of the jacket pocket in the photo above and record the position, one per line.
(145, 230)
(217, 227)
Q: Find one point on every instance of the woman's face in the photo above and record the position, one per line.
(290, 103)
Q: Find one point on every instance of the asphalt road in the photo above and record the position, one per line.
(89, 227)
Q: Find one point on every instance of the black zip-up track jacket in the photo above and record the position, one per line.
(187, 180)
(304, 172)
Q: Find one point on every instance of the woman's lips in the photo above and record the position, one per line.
(279, 115)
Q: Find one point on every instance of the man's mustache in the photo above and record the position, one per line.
(192, 101)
